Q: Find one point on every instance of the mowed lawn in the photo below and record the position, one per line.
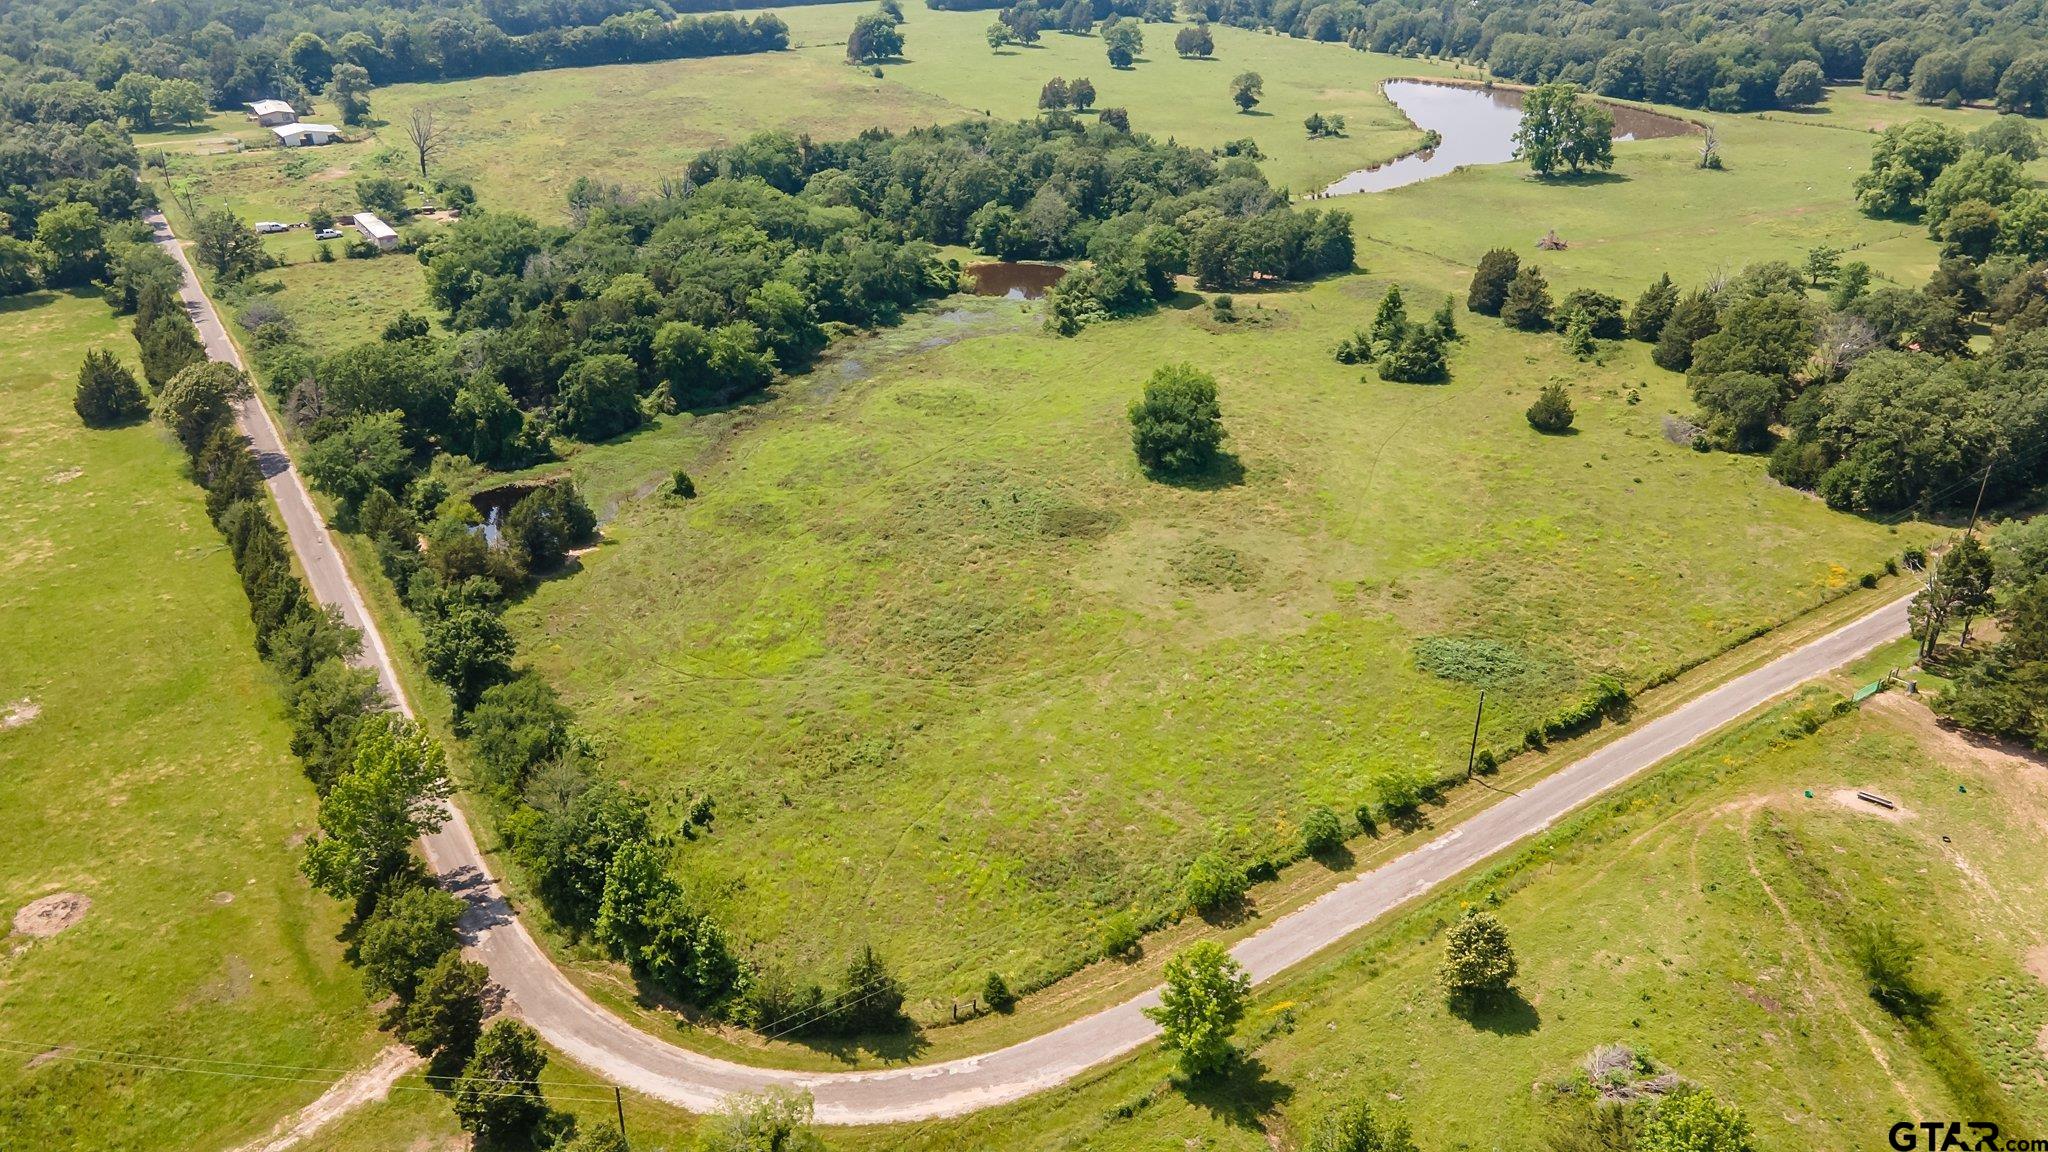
(522, 139)
(1705, 917)
(144, 765)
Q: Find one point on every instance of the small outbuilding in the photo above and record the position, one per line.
(271, 113)
(376, 231)
(306, 135)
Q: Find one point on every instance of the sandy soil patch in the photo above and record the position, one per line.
(363, 1086)
(1847, 798)
(51, 914)
(64, 477)
(19, 713)
(2037, 963)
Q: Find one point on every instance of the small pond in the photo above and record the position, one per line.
(1014, 280)
(1477, 126)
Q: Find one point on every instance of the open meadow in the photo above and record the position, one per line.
(949, 667)
(1706, 918)
(144, 756)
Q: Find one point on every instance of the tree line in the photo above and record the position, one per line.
(1725, 55)
(232, 54)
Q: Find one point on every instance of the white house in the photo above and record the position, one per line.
(271, 113)
(304, 135)
(376, 231)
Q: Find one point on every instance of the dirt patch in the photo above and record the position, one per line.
(364, 1086)
(2041, 1041)
(1847, 798)
(65, 476)
(41, 1058)
(51, 914)
(19, 713)
(2037, 963)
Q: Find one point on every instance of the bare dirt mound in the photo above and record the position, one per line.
(51, 914)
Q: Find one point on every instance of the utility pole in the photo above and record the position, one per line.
(1981, 486)
(1472, 754)
(619, 1099)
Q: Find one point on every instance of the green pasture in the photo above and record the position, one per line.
(144, 765)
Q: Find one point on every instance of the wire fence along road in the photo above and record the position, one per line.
(622, 1053)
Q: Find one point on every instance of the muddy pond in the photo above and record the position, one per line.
(1477, 126)
(1013, 279)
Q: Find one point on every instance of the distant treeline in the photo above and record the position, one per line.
(238, 52)
(1726, 55)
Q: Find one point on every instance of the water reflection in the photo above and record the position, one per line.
(1015, 280)
(1477, 126)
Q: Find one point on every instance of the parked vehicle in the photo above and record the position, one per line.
(327, 234)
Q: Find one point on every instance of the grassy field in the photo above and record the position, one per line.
(522, 138)
(1704, 916)
(1720, 902)
(952, 668)
(146, 768)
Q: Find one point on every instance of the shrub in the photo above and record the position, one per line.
(682, 486)
(1397, 793)
(107, 391)
(1213, 881)
(1479, 963)
(412, 927)
(1224, 309)
(1177, 427)
(1552, 412)
(498, 1098)
(995, 992)
(1417, 359)
(1888, 961)
(1527, 303)
(1321, 831)
(1359, 1127)
(1490, 282)
(1121, 936)
(1602, 312)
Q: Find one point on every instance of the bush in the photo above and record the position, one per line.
(413, 926)
(498, 1098)
(1177, 427)
(1489, 289)
(995, 992)
(1552, 412)
(1121, 936)
(1359, 1127)
(1397, 793)
(107, 392)
(1527, 303)
(1321, 831)
(680, 485)
(447, 1012)
(1213, 881)
(1479, 964)
(1888, 961)
(1602, 312)
(1417, 359)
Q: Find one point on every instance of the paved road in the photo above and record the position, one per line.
(618, 1051)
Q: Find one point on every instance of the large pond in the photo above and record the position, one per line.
(1018, 280)
(1477, 126)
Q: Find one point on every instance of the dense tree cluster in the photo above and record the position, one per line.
(164, 66)
(1726, 55)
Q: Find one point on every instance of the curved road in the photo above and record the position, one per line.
(618, 1051)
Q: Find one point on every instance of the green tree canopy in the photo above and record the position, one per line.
(1200, 1006)
(1177, 426)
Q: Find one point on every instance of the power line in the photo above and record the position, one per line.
(150, 1062)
